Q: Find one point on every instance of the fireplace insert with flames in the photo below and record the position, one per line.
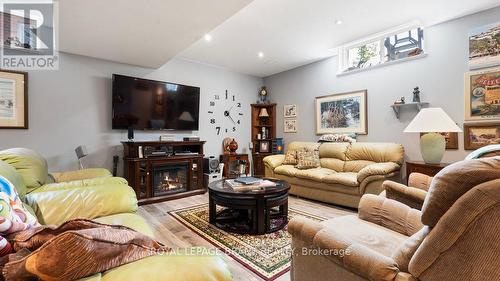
(170, 178)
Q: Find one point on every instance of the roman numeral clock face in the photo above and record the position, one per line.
(225, 113)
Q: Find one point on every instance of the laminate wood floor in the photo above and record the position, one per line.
(172, 233)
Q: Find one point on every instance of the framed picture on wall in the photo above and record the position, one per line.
(342, 113)
(290, 111)
(290, 126)
(482, 95)
(13, 100)
(484, 46)
(477, 135)
(451, 140)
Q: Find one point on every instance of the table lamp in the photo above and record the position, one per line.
(432, 122)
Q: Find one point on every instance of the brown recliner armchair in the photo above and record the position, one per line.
(414, 194)
(454, 237)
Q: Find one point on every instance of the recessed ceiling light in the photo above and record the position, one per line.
(339, 22)
(260, 54)
(208, 37)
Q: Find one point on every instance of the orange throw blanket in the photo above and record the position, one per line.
(76, 249)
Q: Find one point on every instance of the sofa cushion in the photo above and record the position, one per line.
(193, 264)
(356, 165)
(56, 207)
(308, 159)
(315, 174)
(290, 158)
(373, 236)
(405, 252)
(349, 179)
(333, 150)
(300, 145)
(14, 177)
(454, 181)
(131, 220)
(286, 170)
(332, 164)
(30, 165)
(376, 152)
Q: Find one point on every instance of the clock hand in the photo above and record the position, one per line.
(230, 108)
(231, 119)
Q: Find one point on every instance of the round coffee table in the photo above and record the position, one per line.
(249, 211)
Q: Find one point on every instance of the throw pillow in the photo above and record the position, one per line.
(308, 159)
(290, 158)
(13, 216)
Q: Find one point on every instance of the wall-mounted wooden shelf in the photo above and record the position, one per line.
(418, 105)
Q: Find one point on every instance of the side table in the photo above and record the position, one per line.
(423, 168)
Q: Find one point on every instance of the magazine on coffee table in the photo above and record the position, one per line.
(241, 186)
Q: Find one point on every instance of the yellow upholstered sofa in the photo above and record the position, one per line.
(347, 171)
(95, 194)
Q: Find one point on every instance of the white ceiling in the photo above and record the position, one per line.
(291, 33)
(146, 33)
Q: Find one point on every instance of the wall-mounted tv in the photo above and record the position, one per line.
(154, 105)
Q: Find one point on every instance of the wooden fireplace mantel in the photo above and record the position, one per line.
(140, 158)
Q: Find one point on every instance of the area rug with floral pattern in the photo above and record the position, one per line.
(268, 255)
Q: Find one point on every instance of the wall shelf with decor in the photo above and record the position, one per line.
(417, 105)
(263, 131)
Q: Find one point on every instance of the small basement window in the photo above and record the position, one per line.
(397, 44)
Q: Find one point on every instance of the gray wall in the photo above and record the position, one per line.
(72, 106)
(440, 76)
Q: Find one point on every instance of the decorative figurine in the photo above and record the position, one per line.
(416, 94)
(233, 146)
(263, 95)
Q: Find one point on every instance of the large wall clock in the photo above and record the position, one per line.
(225, 113)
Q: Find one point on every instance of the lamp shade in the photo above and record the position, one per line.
(432, 120)
(263, 112)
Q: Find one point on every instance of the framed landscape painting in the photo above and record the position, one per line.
(13, 100)
(342, 113)
(482, 95)
(477, 135)
(484, 46)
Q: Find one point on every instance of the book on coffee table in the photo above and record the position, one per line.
(240, 186)
(247, 180)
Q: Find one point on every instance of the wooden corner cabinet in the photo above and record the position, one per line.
(263, 133)
(164, 170)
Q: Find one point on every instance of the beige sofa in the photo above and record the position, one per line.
(454, 237)
(347, 170)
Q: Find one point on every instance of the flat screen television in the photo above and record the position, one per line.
(154, 105)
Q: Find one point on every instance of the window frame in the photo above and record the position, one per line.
(343, 51)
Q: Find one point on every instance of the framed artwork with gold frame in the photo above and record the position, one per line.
(477, 135)
(13, 100)
(482, 95)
